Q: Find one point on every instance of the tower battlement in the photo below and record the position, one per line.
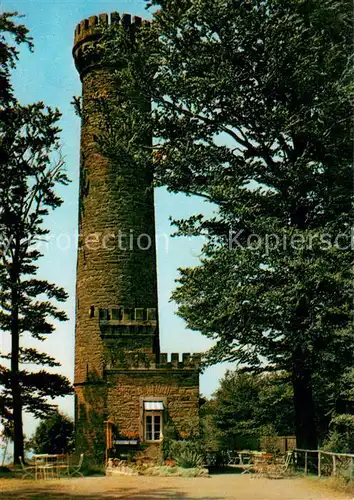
(165, 361)
(89, 30)
(124, 315)
(118, 364)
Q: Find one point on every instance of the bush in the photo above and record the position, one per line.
(54, 434)
(189, 459)
(186, 454)
(335, 443)
(164, 471)
(269, 444)
(92, 469)
(166, 445)
(341, 436)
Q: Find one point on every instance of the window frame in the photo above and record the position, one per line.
(153, 415)
(143, 413)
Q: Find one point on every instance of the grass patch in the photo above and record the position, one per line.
(7, 473)
(92, 470)
(338, 483)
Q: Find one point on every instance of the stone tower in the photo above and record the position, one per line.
(120, 374)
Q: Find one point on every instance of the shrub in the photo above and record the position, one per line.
(189, 459)
(187, 454)
(92, 469)
(341, 436)
(269, 444)
(166, 444)
(54, 434)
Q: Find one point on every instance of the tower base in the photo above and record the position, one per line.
(142, 403)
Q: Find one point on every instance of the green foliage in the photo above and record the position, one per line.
(189, 459)
(336, 443)
(175, 471)
(31, 170)
(210, 435)
(333, 396)
(247, 407)
(269, 442)
(92, 469)
(187, 454)
(169, 437)
(54, 434)
(9, 52)
(250, 113)
(341, 435)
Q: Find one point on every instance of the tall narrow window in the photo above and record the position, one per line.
(153, 420)
(153, 427)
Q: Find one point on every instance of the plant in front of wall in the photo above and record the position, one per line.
(188, 458)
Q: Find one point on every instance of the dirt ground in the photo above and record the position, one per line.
(224, 486)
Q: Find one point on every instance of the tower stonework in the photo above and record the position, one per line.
(120, 374)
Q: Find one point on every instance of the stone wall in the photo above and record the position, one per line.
(179, 389)
(117, 353)
(90, 415)
(116, 206)
(119, 398)
(115, 201)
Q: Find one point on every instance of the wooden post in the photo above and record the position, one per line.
(305, 462)
(5, 451)
(319, 463)
(351, 467)
(109, 437)
(334, 465)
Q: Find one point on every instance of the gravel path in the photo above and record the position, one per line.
(223, 487)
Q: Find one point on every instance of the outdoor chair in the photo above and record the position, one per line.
(62, 465)
(289, 459)
(76, 468)
(266, 465)
(262, 463)
(27, 470)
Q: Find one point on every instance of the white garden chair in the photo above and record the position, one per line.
(76, 468)
(27, 470)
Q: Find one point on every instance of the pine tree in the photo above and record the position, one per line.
(28, 179)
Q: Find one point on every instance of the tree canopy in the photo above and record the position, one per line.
(54, 434)
(247, 407)
(250, 112)
(11, 36)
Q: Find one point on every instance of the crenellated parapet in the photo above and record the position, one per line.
(118, 364)
(182, 361)
(124, 315)
(165, 361)
(89, 31)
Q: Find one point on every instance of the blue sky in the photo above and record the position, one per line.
(49, 75)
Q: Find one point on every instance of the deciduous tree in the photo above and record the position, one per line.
(54, 434)
(251, 112)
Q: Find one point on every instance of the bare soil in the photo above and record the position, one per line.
(223, 486)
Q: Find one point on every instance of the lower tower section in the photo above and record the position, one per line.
(142, 401)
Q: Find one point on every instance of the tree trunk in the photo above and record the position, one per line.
(15, 371)
(305, 427)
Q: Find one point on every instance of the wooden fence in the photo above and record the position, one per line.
(325, 463)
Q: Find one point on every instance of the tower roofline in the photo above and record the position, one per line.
(89, 29)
